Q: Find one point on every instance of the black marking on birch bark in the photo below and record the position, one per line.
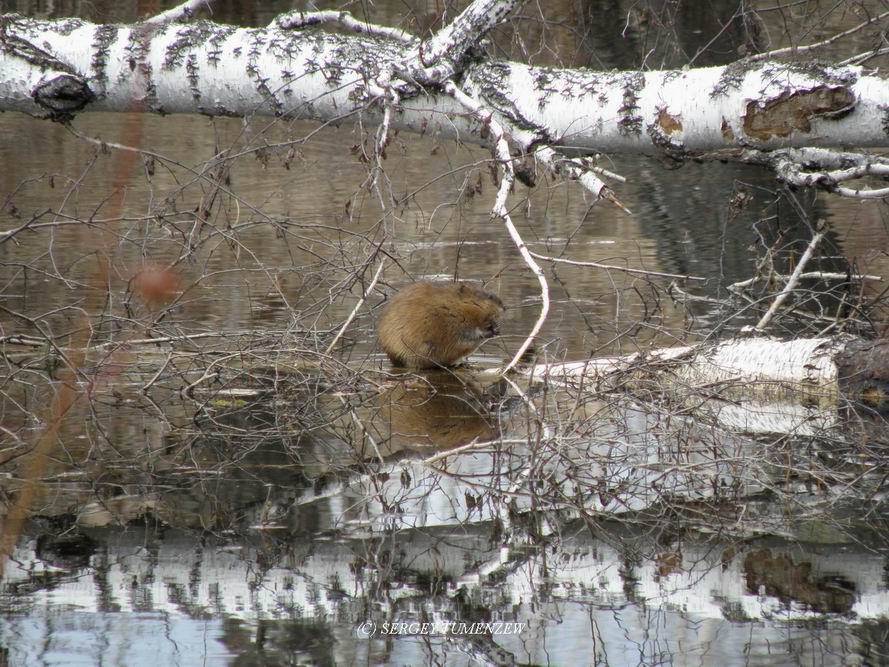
(631, 122)
(103, 37)
(590, 87)
(490, 83)
(821, 72)
(23, 27)
(283, 45)
(193, 73)
(669, 76)
(192, 36)
(733, 75)
(289, 78)
(731, 78)
(571, 84)
(884, 120)
(568, 84)
(151, 100)
(258, 43)
(332, 71)
(19, 47)
(266, 93)
(217, 41)
(222, 111)
(318, 39)
(65, 27)
(362, 54)
(257, 49)
(137, 48)
(63, 95)
(542, 83)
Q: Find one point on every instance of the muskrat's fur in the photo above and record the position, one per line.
(427, 325)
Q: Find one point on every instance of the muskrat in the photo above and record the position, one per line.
(428, 324)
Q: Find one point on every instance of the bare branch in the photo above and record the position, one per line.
(791, 284)
(181, 12)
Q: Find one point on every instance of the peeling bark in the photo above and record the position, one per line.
(796, 111)
(669, 123)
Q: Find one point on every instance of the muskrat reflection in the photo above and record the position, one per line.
(433, 412)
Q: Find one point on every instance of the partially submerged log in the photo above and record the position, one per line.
(824, 368)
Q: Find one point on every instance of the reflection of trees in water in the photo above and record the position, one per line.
(777, 575)
(279, 642)
(306, 510)
(292, 597)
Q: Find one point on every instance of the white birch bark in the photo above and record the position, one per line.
(753, 365)
(49, 68)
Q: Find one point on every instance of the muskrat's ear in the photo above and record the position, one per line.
(464, 290)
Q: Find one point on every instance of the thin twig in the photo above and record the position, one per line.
(809, 275)
(296, 20)
(798, 50)
(612, 267)
(357, 307)
(791, 284)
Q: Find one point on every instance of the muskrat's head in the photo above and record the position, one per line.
(482, 312)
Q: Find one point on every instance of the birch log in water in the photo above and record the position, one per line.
(827, 367)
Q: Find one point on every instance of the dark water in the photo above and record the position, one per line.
(305, 518)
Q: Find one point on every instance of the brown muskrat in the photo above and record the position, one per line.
(428, 324)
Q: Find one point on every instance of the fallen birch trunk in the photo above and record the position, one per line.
(57, 68)
(824, 367)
